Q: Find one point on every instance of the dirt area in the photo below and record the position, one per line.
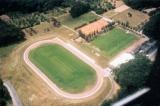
(32, 90)
(110, 14)
(133, 17)
(121, 8)
(119, 3)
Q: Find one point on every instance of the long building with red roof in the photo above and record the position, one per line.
(91, 30)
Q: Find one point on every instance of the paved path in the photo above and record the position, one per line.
(15, 99)
(70, 29)
(80, 55)
(105, 18)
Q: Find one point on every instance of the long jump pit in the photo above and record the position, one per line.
(97, 72)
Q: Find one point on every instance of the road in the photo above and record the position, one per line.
(80, 55)
(15, 99)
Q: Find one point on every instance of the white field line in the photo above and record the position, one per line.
(76, 52)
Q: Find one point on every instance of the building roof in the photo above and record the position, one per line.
(93, 27)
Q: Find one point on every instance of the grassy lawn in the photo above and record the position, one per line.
(114, 41)
(63, 68)
(75, 22)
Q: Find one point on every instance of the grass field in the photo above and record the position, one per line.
(75, 22)
(114, 41)
(67, 71)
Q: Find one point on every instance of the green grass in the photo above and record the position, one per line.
(75, 22)
(114, 41)
(66, 70)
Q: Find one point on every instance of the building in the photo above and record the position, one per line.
(88, 32)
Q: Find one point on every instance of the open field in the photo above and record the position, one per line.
(32, 89)
(113, 42)
(136, 19)
(75, 22)
(63, 68)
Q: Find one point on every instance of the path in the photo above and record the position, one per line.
(80, 55)
(15, 99)
(105, 18)
(70, 29)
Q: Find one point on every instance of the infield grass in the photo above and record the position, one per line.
(67, 71)
(114, 41)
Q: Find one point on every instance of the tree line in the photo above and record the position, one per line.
(28, 6)
(141, 4)
(131, 77)
(10, 34)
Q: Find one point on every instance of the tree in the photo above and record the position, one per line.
(109, 6)
(9, 34)
(27, 6)
(140, 4)
(133, 75)
(129, 14)
(79, 8)
(152, 28)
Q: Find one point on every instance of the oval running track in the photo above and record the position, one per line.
(80, 55)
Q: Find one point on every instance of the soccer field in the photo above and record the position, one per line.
(114, 41)
(67, 71)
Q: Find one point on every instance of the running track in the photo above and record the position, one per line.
(80, 55)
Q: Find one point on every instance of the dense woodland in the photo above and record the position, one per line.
(41, 5)
(9, 34)
(28, 6)
(27, 13)
(125, 75)
(141, 4)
